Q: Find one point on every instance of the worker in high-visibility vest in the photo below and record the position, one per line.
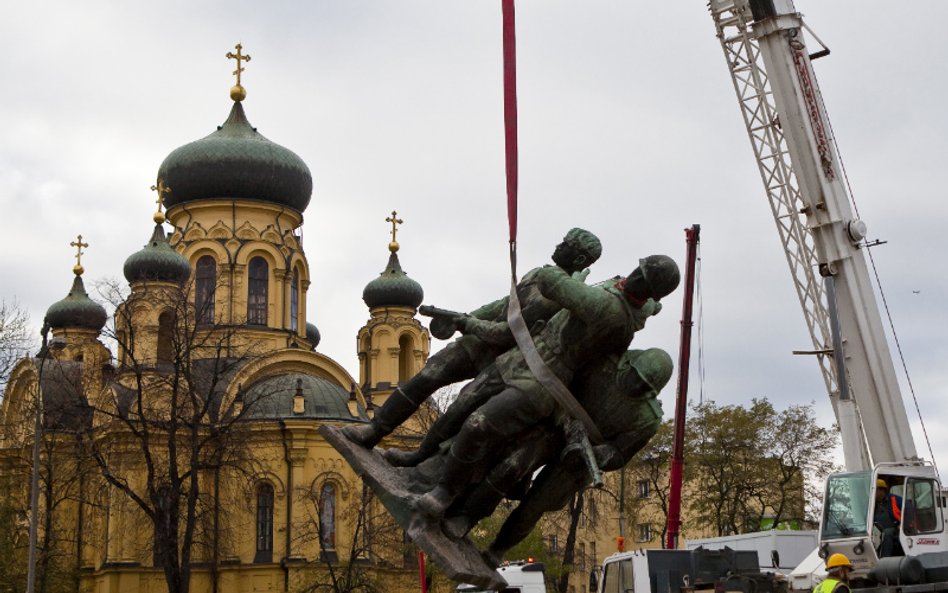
(887, 517)
(838, 568)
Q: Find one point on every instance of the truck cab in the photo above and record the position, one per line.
(854, 521)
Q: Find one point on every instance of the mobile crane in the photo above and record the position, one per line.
(826, 246)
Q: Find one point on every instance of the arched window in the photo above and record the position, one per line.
(406, 356)
(264, 523)
(327, 517)
(205, 284)
(165, 337)
(257, 291)
(295, 300)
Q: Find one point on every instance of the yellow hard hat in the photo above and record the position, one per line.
(880, 483)
(838, 560)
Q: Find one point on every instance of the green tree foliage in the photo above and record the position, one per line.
(755, 466)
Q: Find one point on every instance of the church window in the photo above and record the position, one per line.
(264, 523)
(205, 283)
(327, 516)
(295, 300)
(257, 292)
(406, 348)
(165, 337)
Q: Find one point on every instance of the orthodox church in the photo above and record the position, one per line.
(193, 415)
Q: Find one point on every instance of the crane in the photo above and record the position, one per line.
(825, 245)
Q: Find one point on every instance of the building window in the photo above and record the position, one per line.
(643, 488)
(554, 544)
(327, 517)
(257, 291)
(645, 532)
(264, 523)
(406, 355)
(165, 351)
(592, 510)
(294, 300)
(581, 557)
(205, 285)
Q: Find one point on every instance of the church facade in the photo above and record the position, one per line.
(187, 450)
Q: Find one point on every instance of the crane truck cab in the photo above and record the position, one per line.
(522, 576)
(859, 506)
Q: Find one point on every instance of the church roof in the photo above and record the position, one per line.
(393, 288)
(273, 398)
(77, 310)
(157, 261)
(236, 161)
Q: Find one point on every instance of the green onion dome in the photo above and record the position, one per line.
(236, 162)
(77, 310)
(157, 261)
(312, 334)
(393, 288)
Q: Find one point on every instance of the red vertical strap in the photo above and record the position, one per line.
(421, 571)
(510, 115)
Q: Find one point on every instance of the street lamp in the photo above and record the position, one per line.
(54, 344)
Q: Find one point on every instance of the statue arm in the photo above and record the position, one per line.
(495, 333)
(492, 311)
(584, 301)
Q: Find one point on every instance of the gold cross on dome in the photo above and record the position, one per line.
(395, 221)
(78, 244)
(162, 189)
(240, 58)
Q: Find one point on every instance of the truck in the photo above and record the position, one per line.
(684, 571)
(522, 576)
(777, 549)
(826, 246)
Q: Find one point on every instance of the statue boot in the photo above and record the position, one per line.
(456, 476)
(397, 408)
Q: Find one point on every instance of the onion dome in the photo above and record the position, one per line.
(393, 287)
(312, 334)
(157, 261)
(77, 310)
(236, 162)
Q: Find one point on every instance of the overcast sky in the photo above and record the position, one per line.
(629, 127)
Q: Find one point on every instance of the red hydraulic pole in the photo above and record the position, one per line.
(421, 571)
(681, 402)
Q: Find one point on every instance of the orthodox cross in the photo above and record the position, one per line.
(395, 221)
(239, 57)
(78, 244)
(162, 189)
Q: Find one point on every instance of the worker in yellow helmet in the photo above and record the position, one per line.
(838, 568)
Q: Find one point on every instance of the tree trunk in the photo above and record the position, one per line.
(569, 553)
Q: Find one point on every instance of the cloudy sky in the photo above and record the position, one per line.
(628, 127)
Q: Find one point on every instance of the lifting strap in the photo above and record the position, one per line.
(518, 326)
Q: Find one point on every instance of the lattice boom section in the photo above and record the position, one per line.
(742, 53)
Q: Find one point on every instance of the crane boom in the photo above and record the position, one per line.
(796, 154)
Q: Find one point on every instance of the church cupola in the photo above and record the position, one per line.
(393, 287)
(77, 310)
(393, 345)
(236, 162)
(157, 261)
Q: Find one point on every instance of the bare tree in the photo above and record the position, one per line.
(167, 427)
(16, 341)
(347, 566)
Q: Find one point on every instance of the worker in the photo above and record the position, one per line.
(887, 518)
(838, 568)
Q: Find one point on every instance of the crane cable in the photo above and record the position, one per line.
(875, 272)
(518, 327)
